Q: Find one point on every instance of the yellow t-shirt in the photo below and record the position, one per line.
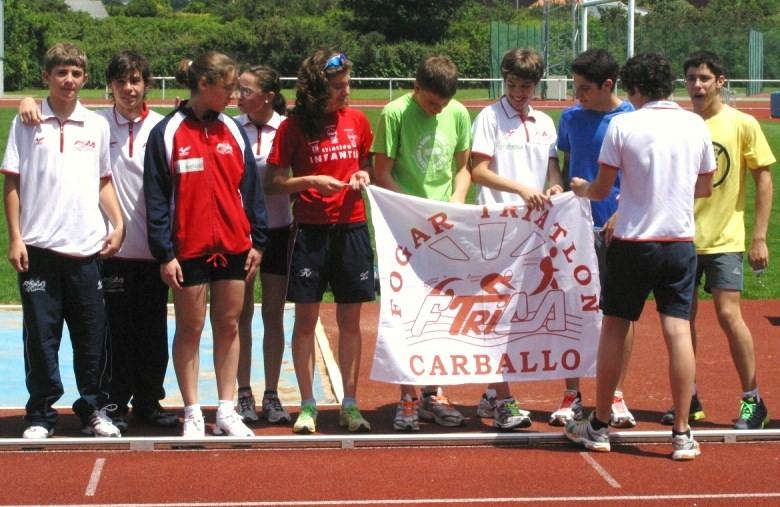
(739, 145)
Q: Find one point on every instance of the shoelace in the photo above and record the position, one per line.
(511, 407)
(568, 401)
(308, 411)
(103, 413)
(620, 405)
(274, 403)
(746, 410)
(231, 419)
(245, 403)
(442, 400)
(353, 412)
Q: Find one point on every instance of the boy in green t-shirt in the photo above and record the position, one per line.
(421, 148)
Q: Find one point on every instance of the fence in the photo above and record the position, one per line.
(555, 87)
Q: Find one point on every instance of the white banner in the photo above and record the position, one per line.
(478, 294)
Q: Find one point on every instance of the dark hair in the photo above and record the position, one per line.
(522, 63)
(650, 73)
(707, 58)
(312, 92)
(214, 67)
(124, 64)
(268, 81)
(64, 53)
(438, 74)
(596, 66)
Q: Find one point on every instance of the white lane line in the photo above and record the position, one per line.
(95, 478)
(598, 468)
(445, 501)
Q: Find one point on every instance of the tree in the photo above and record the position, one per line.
(424, 21)
(145, 8)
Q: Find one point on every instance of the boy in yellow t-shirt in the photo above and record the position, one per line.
(741, 149)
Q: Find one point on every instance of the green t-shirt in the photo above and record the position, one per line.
(423, 146)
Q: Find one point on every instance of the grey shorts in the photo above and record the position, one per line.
(723, 271)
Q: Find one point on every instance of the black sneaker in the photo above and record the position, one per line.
(752, 415)
(156, 416)
(696, 413)
(120, 421)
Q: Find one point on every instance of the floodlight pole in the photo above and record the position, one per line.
(584, 24)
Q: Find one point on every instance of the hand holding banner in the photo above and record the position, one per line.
(479, 294)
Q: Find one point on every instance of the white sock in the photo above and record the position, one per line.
(193, 412)
(753, 393)
(225, 407)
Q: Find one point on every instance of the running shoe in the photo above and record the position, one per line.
(439, 409)
(620, 417)
(350, 418)
(581, 432)
(193, 427)
(273, 412)
(100, 425)
(685, 447)
(752, 415)
(307, 420)
(406, 415)
(508, 415)
(37, 432)
(247, 409)
(487, 407)
(120, 421)
(696, 413)
(155, 415)
(569, 409)
(232, 425)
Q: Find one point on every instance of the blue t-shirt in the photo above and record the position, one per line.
(580, 134)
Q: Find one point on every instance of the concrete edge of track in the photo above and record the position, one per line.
(293, 442)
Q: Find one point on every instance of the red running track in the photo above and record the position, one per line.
(435, 473)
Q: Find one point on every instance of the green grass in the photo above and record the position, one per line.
(9, 293)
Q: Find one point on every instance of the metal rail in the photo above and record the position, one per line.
(516, 439)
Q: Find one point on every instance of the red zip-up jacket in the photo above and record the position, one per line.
(202, 190)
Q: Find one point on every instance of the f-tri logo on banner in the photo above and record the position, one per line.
(477, 294)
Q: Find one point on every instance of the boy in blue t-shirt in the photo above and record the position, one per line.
(580, 133)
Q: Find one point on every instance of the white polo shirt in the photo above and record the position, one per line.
(661, 150)
(519, 150)
(276, 206)
(60, 166)
(127, 148)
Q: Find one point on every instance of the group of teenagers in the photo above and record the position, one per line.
(108, 211)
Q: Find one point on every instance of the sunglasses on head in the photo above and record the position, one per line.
(337, 61)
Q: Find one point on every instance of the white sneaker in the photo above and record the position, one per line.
(232, 426)
(37, 432)
(100, 425)
(621, 417)
(569, 409)
(193, 427)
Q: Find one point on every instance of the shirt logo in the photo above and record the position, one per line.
(184, 151)
(114, 284)
(39, 139)
(189, 165)
(224, 149)
(433, 153)
(84, 145)
(306, 273)
(34, 286)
